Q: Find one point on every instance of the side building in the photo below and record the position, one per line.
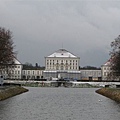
(13, 71)
(91, 75)
(105, 69)
(62, 65)
(32, 72)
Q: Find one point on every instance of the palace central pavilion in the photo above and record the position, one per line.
(62, 65)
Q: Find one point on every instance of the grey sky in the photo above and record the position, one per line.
(83, 27)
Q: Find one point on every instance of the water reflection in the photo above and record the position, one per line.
(59, 104)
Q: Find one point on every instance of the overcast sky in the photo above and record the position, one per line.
(83, 27)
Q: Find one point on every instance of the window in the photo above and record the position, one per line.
(18, 72)
(66, 67)
(57, 68)
(61, 67)
(105, 74)
(28, 72)
(15, 72)
(1, 76)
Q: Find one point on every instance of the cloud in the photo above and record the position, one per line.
(40, 27)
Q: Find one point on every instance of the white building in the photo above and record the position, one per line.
(15, 70)
(91, 75)
(105, 69)
(32, 73)
(62, 65)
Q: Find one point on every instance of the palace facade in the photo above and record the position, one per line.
(62, 65)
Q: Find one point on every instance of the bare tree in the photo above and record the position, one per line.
(6, 50)
(115, 59)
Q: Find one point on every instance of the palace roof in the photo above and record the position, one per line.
(62, 53)
(109, 62)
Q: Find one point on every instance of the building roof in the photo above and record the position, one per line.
(62, 53)
(16, 61)
(109, 62)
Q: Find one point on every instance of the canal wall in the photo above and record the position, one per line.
(10, 91)
(112, 93)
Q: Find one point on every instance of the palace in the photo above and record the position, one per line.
(61, 64)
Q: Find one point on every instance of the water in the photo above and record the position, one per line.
(59, 104)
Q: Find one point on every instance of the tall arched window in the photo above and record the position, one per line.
(62, 66)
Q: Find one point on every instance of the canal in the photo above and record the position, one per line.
(59, 104)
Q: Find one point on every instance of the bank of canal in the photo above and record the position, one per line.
(112, 93)
(10, 91)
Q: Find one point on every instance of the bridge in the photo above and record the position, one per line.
(100, 84)
(65, 83)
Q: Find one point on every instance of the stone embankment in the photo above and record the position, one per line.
(112, 93)
(10, 91)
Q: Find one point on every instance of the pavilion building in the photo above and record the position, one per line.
(62, 65)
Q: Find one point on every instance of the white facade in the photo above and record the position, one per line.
(91, 75)
(15, 70)
(105, 69)
(32, 74)
(59, 65)
(62, 60)
(62, 64)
